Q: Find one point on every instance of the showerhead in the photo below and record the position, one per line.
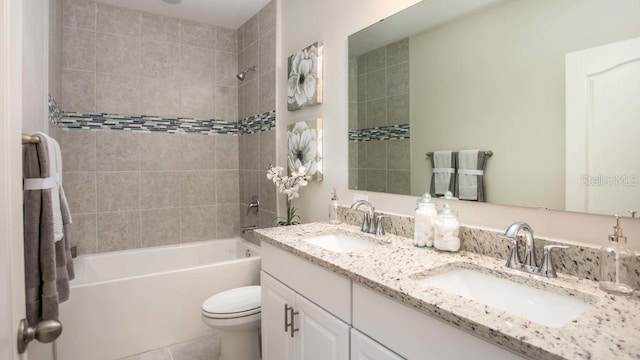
(244, 72)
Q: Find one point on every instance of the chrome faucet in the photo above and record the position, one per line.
(530, 265)
(368, 220)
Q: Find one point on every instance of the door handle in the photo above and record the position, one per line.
(46, 331)
(291, 326)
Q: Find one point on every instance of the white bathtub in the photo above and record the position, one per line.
(126, 302)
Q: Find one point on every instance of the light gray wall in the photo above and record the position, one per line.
(482, 87)
(55, 48)
(123, 61)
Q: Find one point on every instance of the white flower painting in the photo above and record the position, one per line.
(304, 85)
(305, 148)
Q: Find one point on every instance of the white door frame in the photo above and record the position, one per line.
(12, 307)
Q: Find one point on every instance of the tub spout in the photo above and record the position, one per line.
(249, 228)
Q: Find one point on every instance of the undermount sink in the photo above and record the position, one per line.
(341, 243)
(539, 306)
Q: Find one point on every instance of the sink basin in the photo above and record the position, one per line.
(341, 243)
(539, 306)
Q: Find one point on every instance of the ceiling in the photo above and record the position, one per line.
(226, 13)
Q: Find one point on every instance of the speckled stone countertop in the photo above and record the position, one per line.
(608, 330)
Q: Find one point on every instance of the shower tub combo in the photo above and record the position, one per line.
(126, 302)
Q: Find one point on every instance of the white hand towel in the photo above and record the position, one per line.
(468, 174)
(54, 172)
(442, 171)
(64, 204)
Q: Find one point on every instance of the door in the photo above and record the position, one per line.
(321, 336)
(11, 250)
(602, 87)
(365, 348)
(277, 344)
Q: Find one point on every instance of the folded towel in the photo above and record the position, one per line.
(55, 172)
(47, 261)
(443, 176)
(470, 177)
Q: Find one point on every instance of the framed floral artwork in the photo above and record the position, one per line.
(304, 83)
(305, 148)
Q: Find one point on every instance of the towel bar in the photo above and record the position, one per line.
(488, 153)
(28, 139)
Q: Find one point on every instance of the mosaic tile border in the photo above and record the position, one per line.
(401, 131)
(144, 123)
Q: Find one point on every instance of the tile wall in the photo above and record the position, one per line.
(122, 61)
(131, 190)
(55, 48)
(256, 46)
(378, 102)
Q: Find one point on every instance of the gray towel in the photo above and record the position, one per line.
(442, 161)
(470, 178)
(48, 264)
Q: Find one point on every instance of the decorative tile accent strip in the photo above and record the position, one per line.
(55, 113)
(380, 133)
(257, 123)
(144, 123)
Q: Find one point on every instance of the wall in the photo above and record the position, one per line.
(35, 66)
(378, 99)
(303, 22)
(55, 48)
(117, 60)
(507, 95)
(256, 45)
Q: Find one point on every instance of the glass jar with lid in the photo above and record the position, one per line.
(446, 230)
(424, 221)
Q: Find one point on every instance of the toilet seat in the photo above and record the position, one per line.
(233, 304)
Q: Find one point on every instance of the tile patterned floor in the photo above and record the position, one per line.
(202, 348)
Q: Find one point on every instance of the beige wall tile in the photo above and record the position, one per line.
(118, 231)
(160, 227)
(399, 182)
(226, 152)
(376, 84)
(160, 28)
(268, 219)
(117, 151)
(117, 94)
(398, 79)
(266, 93)
(250, 152)
(376, 180)
(159, 152)
(79, 14)
(197, 34)
(159, 59)
(118, 20)
(251, 57)
(158, 97)
(268, 192)
(198, 223)
(226, 68)
(267, 148)
(228, 219)
(227, 187)
(118, 191)
(197, 188)
(83, 233)
(226, 103)
(250, 186)
(375, 59)
(197, 152)
(241, 38)
(398, 52)
(159, 189)
(78, 49)
(196, 64)
(197, 99)
(227, 40)
(267, 17)
(398, 153)
(267, 59)
(398, 109)
(80, 189)
(241, 100)
(251, 31)
(78, 150)
(117, 54)
(376, 154)
(377, 112)
(251, 98)
(78, 91)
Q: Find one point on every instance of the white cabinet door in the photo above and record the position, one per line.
(321, 336)
(365, 348)
(276, 343)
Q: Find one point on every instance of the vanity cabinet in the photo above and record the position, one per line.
(365, 348)
(295, 328)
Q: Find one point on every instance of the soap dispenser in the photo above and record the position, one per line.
(333, 208)
(616, 263)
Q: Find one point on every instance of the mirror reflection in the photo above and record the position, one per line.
(550, 87)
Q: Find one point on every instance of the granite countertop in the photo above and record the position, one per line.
(609, 329)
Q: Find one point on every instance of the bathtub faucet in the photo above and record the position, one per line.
(249, 228)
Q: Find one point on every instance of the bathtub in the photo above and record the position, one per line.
(126, 302)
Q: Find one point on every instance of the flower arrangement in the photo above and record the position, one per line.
(304, 85)
(288, 185)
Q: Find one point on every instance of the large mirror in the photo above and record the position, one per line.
(550, 87)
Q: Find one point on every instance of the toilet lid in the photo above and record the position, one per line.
(234, 303)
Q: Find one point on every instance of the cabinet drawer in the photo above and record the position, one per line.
(328, 290)
(415, 335)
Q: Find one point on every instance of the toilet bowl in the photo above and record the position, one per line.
(236, 313)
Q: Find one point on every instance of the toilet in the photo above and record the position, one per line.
(236, 313)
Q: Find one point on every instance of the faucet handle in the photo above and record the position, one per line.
(546, 267)
(378, 224)
(513, 260)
